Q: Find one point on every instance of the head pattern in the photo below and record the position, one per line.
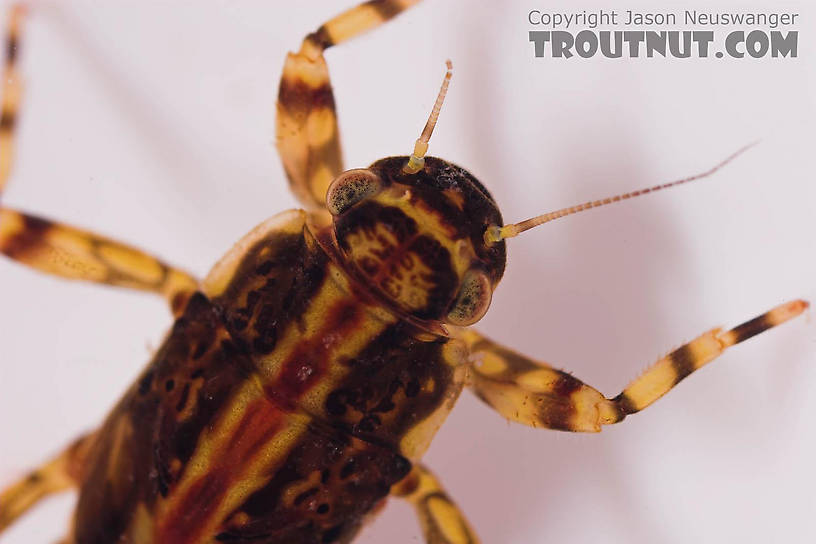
(417, 239)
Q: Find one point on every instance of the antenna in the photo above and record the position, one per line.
(417, 160)
(494, 233)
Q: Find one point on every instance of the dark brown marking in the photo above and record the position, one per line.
(12, 48)
(146, 383)
(386, 9)
(182, 402)
(32, 234)
(332, 534)
(408, 485)
(683, 362)
(201, 349)
(625, 404)
(348, 469)
(178, 302)
(262, 270)
(321, 38)
(163, 477)
(557, 415)
(268, 338)
(298, 98)
(367, 424)
(336, 403)
(566, 385)
(752, 328)
(7, 120)
(239, 322)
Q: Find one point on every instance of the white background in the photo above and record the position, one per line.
(153, 122)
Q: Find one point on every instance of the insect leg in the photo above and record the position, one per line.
(538, 395)
(442, 521)
(60, 249)
(58, 474)
(12, 89)
(307, 133)
(77, 254)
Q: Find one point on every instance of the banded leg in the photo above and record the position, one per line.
(441, 520)
(307, 133)
(63, 250)
(540, 396)
(77, 254)
(58, 474)
(12, 89)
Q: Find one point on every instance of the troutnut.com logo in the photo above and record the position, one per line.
(714, 34)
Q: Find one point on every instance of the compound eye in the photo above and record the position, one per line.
(351, 187)
(473, 299)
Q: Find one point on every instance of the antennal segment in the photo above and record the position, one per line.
(417, 160)
(494, 233)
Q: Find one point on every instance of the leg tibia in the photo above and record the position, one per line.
(677, 365)
(540, 396)
(356, 21)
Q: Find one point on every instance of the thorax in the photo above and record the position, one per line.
(321, 343)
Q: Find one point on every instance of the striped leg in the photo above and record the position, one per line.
(61, 473)
(307, 134)
(537, 395)
(67, 251)
(12, 89)
(76, 254)
(441, 520)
